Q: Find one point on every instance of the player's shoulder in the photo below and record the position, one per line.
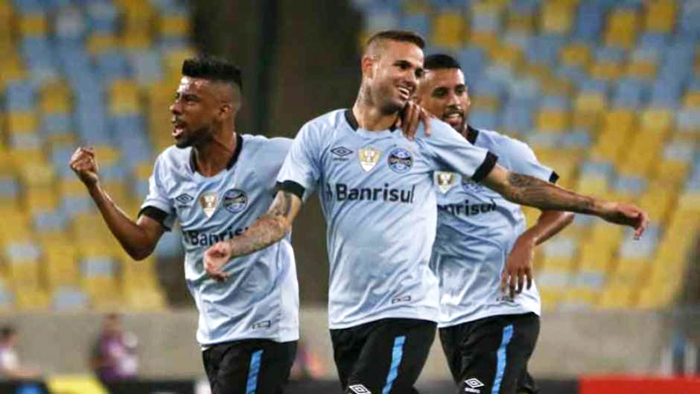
(326, 122)
(502, 144)
(263, 142)
(174, 157)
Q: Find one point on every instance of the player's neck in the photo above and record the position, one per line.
(214, 155)
(371, 118)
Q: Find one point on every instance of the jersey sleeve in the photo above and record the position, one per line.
(301, 170)
(449, 151)
(157, 204)
(524, 161)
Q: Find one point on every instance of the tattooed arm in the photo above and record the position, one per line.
(527, 190)
(265, 231)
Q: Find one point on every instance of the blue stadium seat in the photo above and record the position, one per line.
(381, 18)
(524, 7)
(630, 184)
(146, 66)
(69, 299)
(576, 139)
(98, 266)
(472, 61)
(545, 49)
(525, 89)
(589, 21)
(484, 119)
(9, 188)
(666, 94)
(47, 222)
(70, 25)
(74, 205)
(594, 85)
(103, 17)
(642, 248)
(29, 6)
(112, 65)
(22, 251)
(517, 118)
(559, 103)
(629, 93)
(56, 124)
(420, 23)
(654, 41)
(575, 74)
(597, 168)
(20, 96)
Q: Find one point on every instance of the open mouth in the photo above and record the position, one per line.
(454, 118)
(405, 93)
(178, 128)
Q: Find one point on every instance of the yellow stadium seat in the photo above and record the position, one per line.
(552, 120)
(672, 171)
(22, 122)
(61, 271)
(101, 42)
(582, 296)
(592, 185)
(143, 170)
(119, 191)
(620, 119)
(590, 102)
(15, 226)
(576, 55)
(585, 120)
(660, 16)
(557, 86)
(13, 69)
(25, 275)
(630, 271)
(37, 174)
(107, 154)
(71, 187)
(506, 56)
(34, 24)
(595, 257)
(124, 98)
(55, 98)
(137, 40)
(413, 7)
(659, 120)
(486, 40)
(616, 296)
(40, 199)
(90, 230)
(557, 18)
(692, 99)
(486, 103)
(606, 71)
(645, 70)
(173, 62)
(520, 23)
(32, 299)
(179, 25)
(658, 201)
(621, 29)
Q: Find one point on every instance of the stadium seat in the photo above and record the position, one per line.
(621, 29)
(660, 16)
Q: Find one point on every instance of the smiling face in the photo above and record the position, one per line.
(392, 74)
(443, 93)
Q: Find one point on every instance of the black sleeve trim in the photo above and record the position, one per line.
(291, 187)
(155, 214)
(485, 167)
(554, 177)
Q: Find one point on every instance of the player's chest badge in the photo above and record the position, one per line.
(369, 157)
(208, 202)
(445, 181)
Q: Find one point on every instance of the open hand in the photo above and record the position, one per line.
(215, 258)
(518, 269)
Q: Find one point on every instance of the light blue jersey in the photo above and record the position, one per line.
(477, 229)
(260, 299)
(378, 199)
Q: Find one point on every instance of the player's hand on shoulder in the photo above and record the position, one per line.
(84, 163)
(411, 117)
(628, 215)
(215, 258)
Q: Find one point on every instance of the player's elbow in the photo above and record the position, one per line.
(568, 218)
(139, 254)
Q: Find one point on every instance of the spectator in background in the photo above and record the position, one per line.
(114, 355)
(10, 367)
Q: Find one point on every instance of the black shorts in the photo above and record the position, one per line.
(490, 355)
(382, 357)
(251, 366)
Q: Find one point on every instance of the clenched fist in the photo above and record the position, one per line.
(84, 164)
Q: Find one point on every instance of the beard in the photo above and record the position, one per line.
(386, 101)
(192, 138)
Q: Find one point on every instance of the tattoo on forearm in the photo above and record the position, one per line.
(268, 229)
(527, 190)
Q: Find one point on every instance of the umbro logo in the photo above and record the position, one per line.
(184, 198)
(472, 385)
(341, 151)
(359, 389)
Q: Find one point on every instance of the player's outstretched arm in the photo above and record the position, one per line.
(265, 231)
(527, 190)
(518, 269)
(138, 239)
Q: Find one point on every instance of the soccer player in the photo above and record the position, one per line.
(377, 195)
(216, 182)
(481, 247)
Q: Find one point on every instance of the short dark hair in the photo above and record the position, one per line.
(213, 69)
(440, 61)
(398, 35)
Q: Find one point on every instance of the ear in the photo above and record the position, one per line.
(367, 67)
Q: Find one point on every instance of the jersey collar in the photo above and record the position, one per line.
(352, 121)
(231, 162)
(472, 134)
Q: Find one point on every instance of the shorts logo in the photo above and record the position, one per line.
(445, 181)
(400, 160)
(208, 201)
(369, 157)
(340, 153)
(359, 389)
(235, 200)
(473, 384)
(184, 198)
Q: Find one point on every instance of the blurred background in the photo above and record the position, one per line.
(607, 92)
